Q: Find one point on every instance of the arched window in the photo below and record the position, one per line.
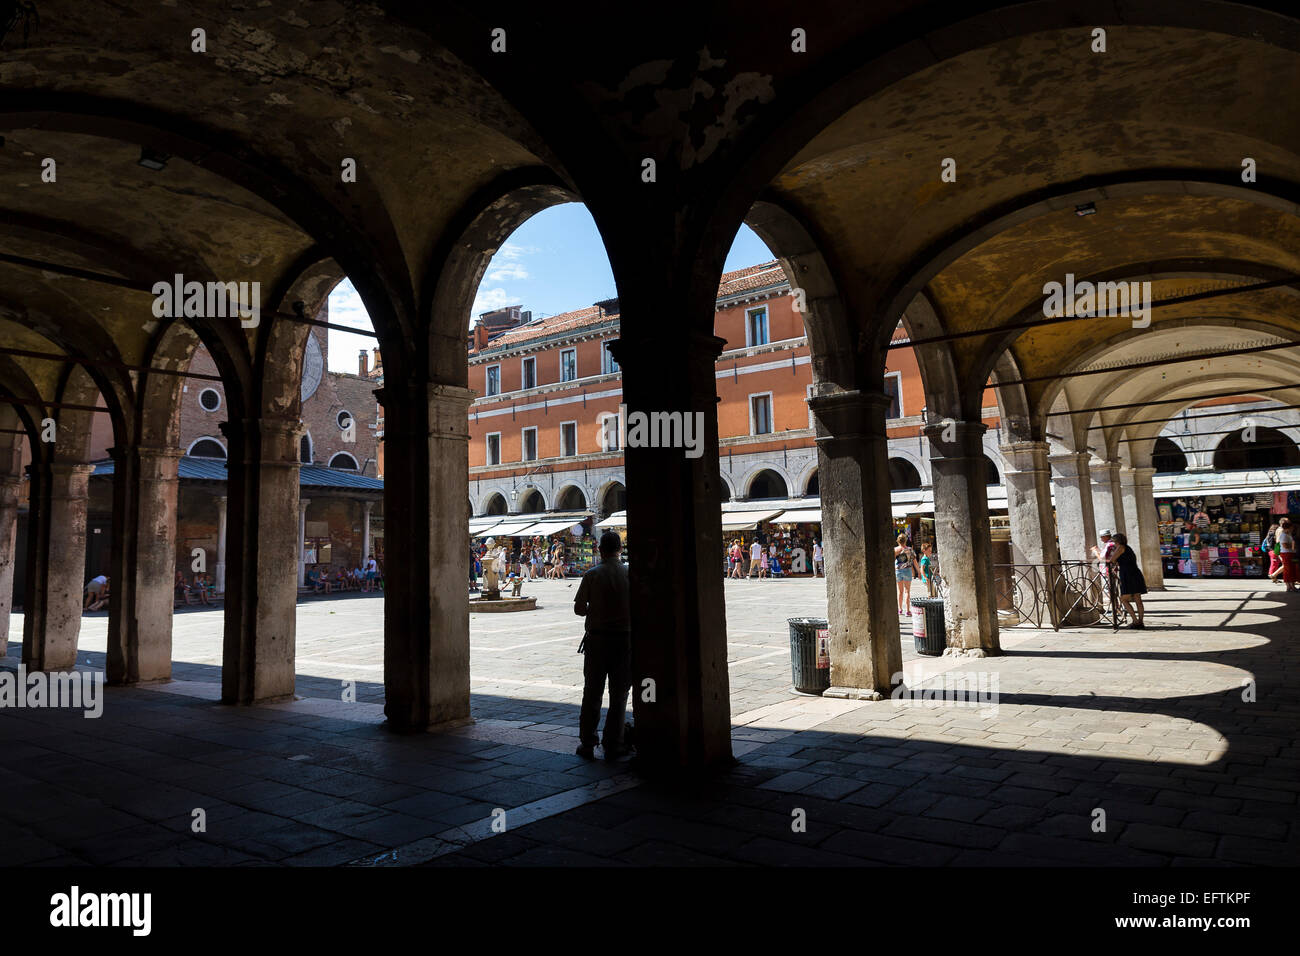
(768, 484)
(994, 476)
(304, 450)
(496, 505)
(1168, 458)
(903, 475)
(343, 462)
(814, 486)
(207, 448)
(1256, 447)
(571, 499)
(615, 499)
(531, 502)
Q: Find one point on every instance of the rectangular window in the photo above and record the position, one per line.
(568, 439)
(568, 365)
(529, 443)
(494, 379)
(494, 448)
(756, 327)
(528, 372)
(609, 431)
(893, 388)
(760, 414)
(610, 363)
(812, 422)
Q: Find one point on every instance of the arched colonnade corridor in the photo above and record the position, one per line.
(454, 146)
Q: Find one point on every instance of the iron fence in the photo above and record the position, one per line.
(1067, 594)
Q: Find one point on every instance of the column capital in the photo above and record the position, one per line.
(1027, 455)
(635, 352)
(302, 505)
(70, 468)
(954, 439)
(366, 505)
(848, 415)
(1072, 464)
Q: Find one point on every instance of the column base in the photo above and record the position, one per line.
(853, 693)
(278, 699)
(449, 725)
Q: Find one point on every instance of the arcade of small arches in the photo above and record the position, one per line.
(455, 149)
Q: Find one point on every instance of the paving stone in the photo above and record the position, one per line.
(1174, 840)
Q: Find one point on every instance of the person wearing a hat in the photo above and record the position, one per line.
(1107, 549)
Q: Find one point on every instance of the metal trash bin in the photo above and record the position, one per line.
(810, 654)
(928, 629)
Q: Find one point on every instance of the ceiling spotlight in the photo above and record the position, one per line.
(152, 159)
(1086, 209)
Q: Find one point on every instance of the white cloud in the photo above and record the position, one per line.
(346, 307)
(505, 273)
(489, 299)
(511, 250)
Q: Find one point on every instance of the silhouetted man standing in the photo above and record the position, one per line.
(602, 599)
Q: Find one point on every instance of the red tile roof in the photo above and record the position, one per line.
(755, 277)
(741, 280)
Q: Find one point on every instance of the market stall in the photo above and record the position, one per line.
(1216, 535)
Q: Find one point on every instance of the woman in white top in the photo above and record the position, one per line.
(1286, 544)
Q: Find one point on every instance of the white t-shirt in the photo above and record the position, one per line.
(372, 565)
(755, 551)
(817, 552)
(1285, 541)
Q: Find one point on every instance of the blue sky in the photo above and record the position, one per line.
(555, 262)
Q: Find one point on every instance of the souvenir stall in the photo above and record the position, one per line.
(1214, 535)
(792, 532)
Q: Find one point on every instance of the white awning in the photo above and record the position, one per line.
(509, 529)
(617, 520)
(479, 525)
(1210, 490)
(544, 528)
(800, 516)
(745, 520)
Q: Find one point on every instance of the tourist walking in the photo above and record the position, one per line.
(1270, 547)
(1132, 585)
(602, 599)
(755, 552)
(905, 568)
(819, 560)
(1286, 548)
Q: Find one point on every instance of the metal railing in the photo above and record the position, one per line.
(1068, 594)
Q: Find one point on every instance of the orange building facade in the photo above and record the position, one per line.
(545, 387)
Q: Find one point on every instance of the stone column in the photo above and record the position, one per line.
(302, 540)
(426, 603)
(1107, 499)
(1076, 524)
(1143, 530)
(1029, 504)
(57, 577)
(11, 488)
(961, 522)
(366, 507)
(674, 503)
(144, 563)
(219, 574)
(857, 537)
(263, 555)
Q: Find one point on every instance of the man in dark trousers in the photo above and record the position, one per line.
(602, 599)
